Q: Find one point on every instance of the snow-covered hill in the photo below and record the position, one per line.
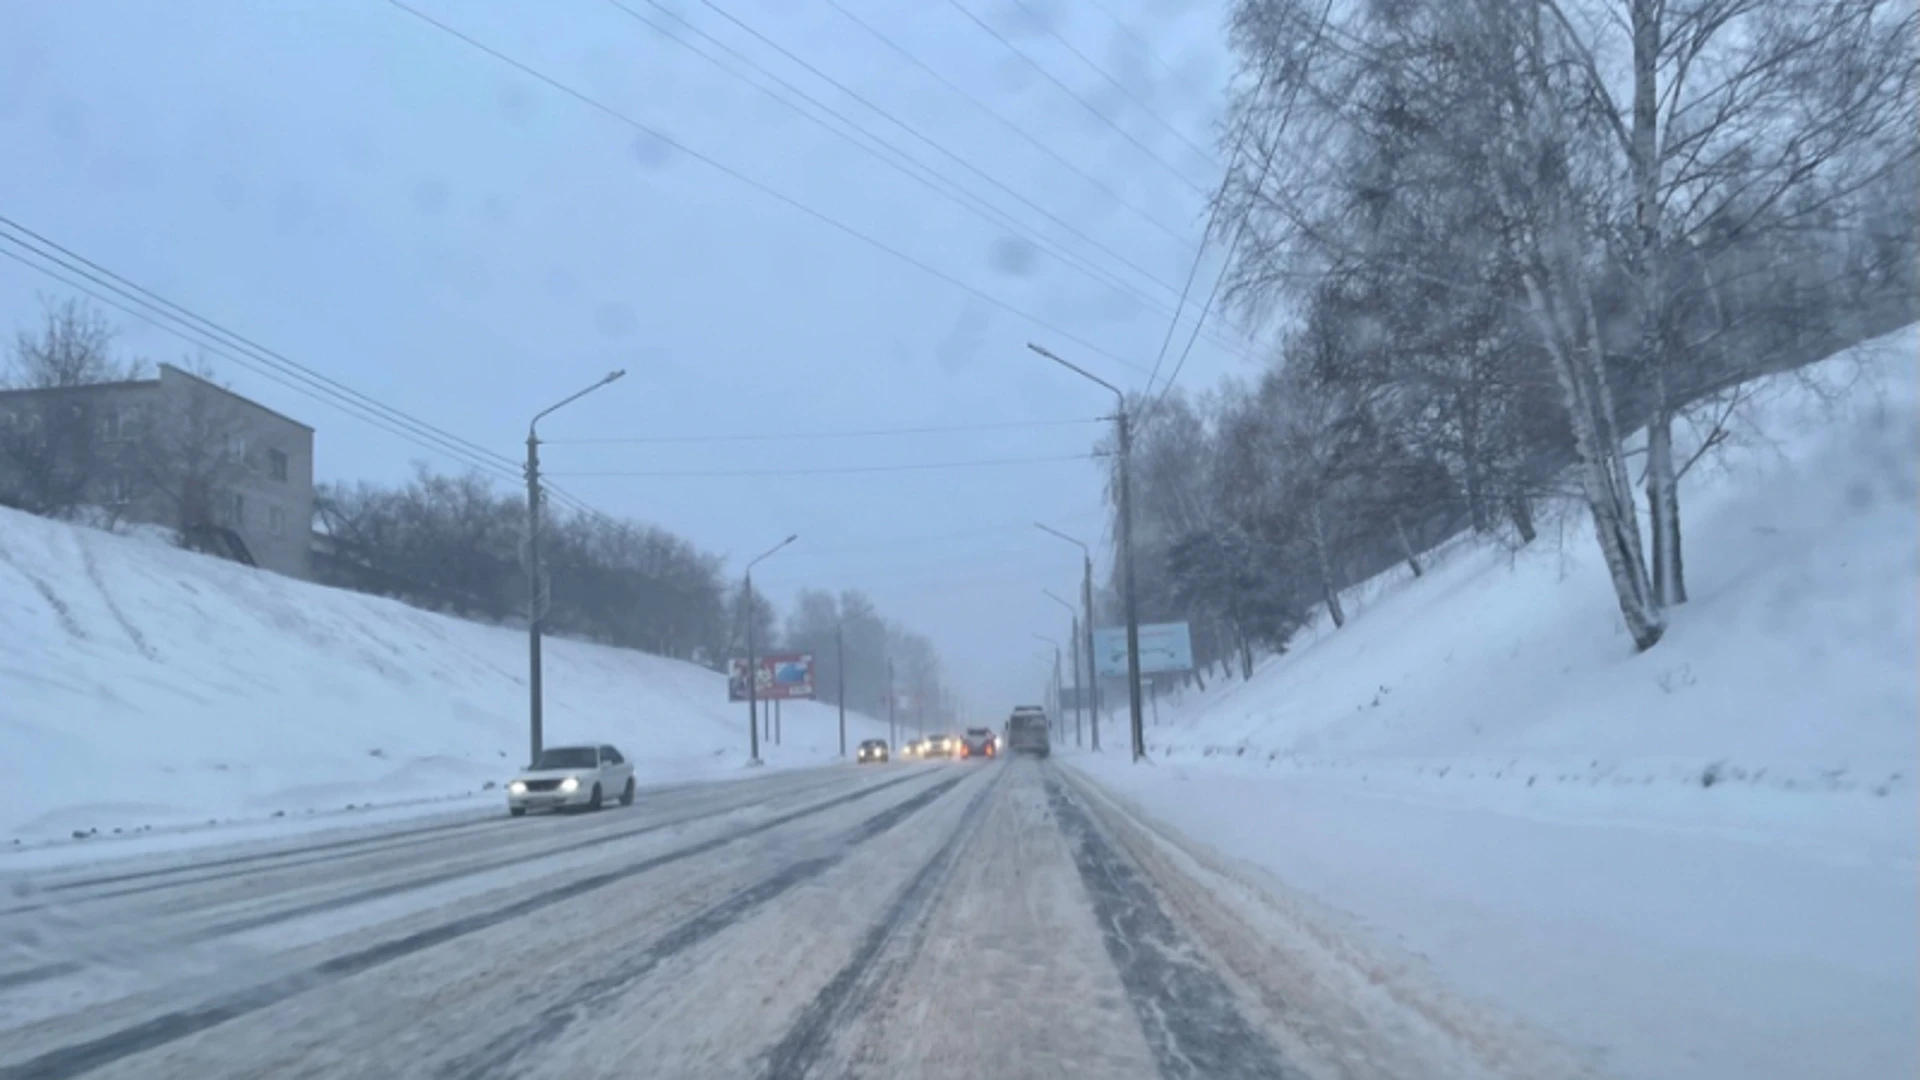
(1700, 861)
(1793, 668)
(142, 685)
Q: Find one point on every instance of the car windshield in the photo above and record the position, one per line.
(567, 757)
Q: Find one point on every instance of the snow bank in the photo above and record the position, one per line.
(1695, 862)
(144, 686)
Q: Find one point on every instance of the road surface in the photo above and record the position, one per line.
(928, 920)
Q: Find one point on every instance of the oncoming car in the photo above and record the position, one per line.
(940, 746)
(874, 750)
(570, 777)
(915, 748)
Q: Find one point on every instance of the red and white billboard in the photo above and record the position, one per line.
(780, 676)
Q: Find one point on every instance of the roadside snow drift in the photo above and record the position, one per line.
(141, 685)
(1699, 861)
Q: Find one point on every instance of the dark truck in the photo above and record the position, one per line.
(978, 742)
(1027, 731)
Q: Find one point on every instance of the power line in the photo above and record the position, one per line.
(1137, 39)
(1193, 269)
(833, 469)
(773, 193)
(1075, 95)
(979, 207)
(1226, 264)
(800, 436)
(188, 327)
(1111, 81)
(995, 114)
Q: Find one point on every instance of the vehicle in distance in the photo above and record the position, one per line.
(941, 746)
(978, 742)
(914, 748)
(568, 777)
(874, 750)
(1027, 732)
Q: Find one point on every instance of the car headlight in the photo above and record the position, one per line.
(516, 788)
(571, 783)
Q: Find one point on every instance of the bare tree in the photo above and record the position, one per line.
(54, 456)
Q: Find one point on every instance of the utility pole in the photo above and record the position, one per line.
(1093, 671)
(777, 710)
(1086, 624)
(536, 603)
(1132, 597)
(840, 670)
(1080, 694)
(753, 670)
(1079, 701)
(535, 730)
(893, 694)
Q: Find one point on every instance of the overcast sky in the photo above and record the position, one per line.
(396, 209)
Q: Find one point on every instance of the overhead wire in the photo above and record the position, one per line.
(926, 175)
(1226, 264)
(802, 436)
(1115, 83)
(1145, 46)
(127, 297)
(1171, 169)
(771, 192)
(923, 466)
(1052, 154)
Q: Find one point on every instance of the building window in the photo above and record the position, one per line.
(236, 510)
(277, 465)
(277, 520)
(113, 426)
(119, 491)
(236, 448)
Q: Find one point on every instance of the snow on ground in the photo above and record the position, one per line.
(1698, 862)
(147, 689)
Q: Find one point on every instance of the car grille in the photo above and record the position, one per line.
(543, 785)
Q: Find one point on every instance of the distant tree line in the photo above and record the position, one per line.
(1496, 239)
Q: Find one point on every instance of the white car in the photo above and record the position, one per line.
(572, 776)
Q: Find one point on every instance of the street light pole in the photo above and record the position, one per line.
(753, 672)
(1080, 699)
(1055, 710)
(1086, 601)
(535, 723)
(1126, 548)
(893, 694)
(840, 671)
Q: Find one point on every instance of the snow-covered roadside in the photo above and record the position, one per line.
(1698, 862)
(1650, 953)
(156, 692)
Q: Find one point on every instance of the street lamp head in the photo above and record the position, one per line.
(612, 375)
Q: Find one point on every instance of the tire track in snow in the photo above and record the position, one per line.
(858, 982)
(82, 1057)
(595, 996)
(113, 607)
(1186, 1009)
(59, 606)
(260, 919)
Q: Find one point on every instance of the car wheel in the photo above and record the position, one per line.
(517, 811)
(594, 800)
(626, 796)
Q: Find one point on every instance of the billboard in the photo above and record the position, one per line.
(1164, 647)
(780, 676)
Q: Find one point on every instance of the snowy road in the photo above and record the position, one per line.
(927, 920)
